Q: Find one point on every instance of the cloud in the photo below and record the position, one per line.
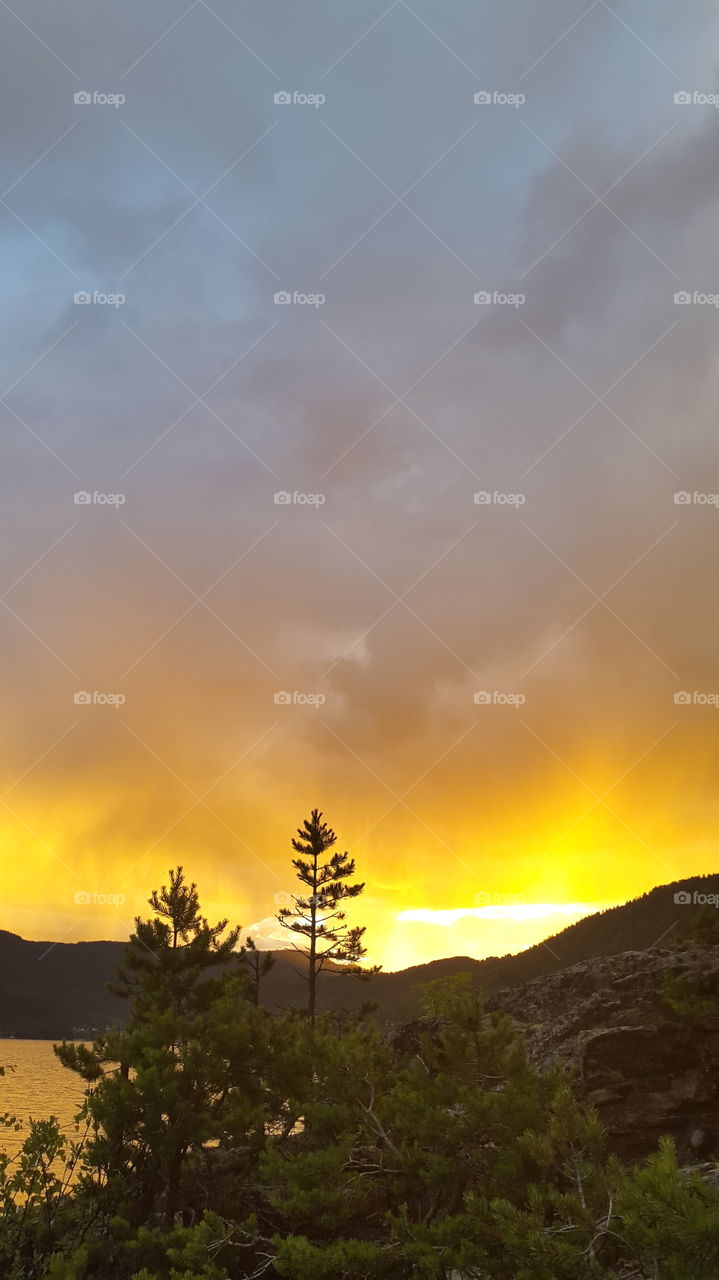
(396, 399)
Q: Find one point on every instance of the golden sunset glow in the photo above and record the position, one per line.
(422, 901)
(313, 499)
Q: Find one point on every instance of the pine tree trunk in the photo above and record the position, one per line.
(172, 1201)
(312, 1002)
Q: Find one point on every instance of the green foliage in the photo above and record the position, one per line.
(317, 914)
(186, 1070)
(689, 998)
(669, 1219)
(258, 963)
(704, 929)
(225, 1144)
(183, 1253)
(37, 1208)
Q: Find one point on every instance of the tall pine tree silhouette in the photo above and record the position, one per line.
(317, 914)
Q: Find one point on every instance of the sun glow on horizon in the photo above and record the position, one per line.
(423, 934)
(502, 911)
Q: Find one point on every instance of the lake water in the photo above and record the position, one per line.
(39, 1086)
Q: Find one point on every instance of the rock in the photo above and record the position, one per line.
(646, 1069)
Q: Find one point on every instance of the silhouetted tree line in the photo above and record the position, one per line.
(220, 1142)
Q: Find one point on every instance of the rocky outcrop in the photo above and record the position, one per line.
(649, 1067)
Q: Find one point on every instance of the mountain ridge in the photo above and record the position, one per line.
(54, 990)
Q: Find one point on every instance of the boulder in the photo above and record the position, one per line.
(647, 1068)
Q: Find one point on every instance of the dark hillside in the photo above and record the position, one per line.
(48, 991)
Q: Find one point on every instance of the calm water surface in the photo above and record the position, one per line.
(39, 1087)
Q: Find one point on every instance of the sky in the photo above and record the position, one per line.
(358, 386)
